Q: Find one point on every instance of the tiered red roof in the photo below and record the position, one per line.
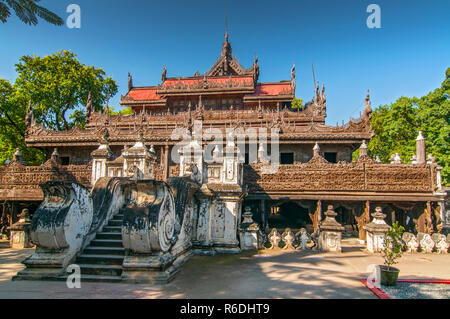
(272, 89)
(143, 94)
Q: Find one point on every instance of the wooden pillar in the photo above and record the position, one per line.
(262, 207)
(166, 163)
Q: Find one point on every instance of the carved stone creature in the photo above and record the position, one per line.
(426, 243)
(411, 243)
(303, 238)
(274, 238)
(288, 238)
(441, 243)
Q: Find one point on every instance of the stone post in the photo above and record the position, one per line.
(330, 232)
(249, 231)
(421, 151)
(20, 232)
(139, 162)
(99, 158)
(376, 231)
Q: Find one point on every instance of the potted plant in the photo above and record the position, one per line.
(392, 251)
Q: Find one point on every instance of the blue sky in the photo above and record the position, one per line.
(407, 56)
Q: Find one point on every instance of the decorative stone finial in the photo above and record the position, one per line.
(421, 150)
(55, 154)
(247, 215)
(430, 159)
(396, 159)
(363, 149)
(18, 157)
(316, 150)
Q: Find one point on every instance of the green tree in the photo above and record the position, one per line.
(13, 127)
(59, 86)
(28, 11)
(297, 103)
(397, 125)
(434, 117)
(396, 128)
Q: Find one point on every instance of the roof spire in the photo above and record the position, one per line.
(226, 25)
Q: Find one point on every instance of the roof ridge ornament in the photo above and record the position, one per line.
(163, 75)
(130, 82)
(368, 106)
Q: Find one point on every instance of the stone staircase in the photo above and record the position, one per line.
(101, 260)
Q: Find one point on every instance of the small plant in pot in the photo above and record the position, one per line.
(392, 251)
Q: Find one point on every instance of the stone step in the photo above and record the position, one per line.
(112, 229)
(106, 243)
(117, 217)
(105, 235)
(115, 222)
(102, 270)
(100, 278)
(93, 278)
(100, 259)
(96, 250)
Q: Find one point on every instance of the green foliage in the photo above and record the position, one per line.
(126, 111)
(28, 11)
(57, 87)
(397, 126)
(13, 127)
(297, 103)
(393, 245)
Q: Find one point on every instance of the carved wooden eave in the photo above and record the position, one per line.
(235, 68)
(206, 86)
(356, 181)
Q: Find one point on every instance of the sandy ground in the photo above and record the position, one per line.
(248, 275)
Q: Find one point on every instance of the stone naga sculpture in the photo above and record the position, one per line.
(157, 230)
(58, 228)
(67, 220)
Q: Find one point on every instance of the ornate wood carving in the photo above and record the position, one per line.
(316, 217)
(363, 220)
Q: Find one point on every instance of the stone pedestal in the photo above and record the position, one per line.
(20, 232)
(330, 232)
(376, 231)
(250, 233)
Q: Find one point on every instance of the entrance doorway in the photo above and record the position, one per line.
(289, 215)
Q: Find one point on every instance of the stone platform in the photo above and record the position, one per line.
(267, 274)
